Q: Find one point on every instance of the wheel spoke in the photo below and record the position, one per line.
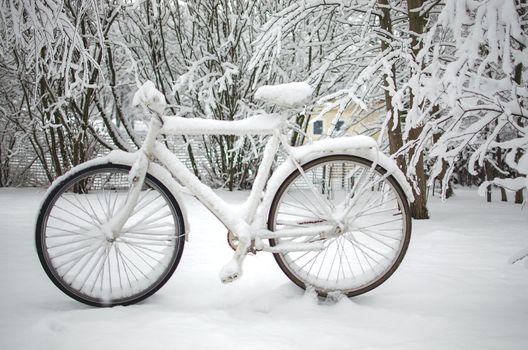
(311, 210)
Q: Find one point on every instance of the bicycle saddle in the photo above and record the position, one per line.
(290, 95)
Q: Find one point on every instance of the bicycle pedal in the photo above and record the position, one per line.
(230, 272)
(230, 278)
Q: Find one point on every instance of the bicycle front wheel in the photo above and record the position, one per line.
(369, 210)
(88, 266)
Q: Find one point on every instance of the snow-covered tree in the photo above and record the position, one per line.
(450, 74)
(478, 79)
(52, 52)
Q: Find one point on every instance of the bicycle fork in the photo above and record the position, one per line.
(113, 228)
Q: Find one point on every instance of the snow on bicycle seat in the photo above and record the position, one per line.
(288, 95)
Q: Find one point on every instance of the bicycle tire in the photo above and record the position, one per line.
(305, 279)
(163, 243)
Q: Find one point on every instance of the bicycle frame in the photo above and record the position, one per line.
(241, 224)
(245, 223)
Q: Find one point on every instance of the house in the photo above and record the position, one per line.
(353, 121)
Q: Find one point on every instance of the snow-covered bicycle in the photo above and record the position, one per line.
(335, 213)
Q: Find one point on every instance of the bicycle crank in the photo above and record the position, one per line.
(232, 240)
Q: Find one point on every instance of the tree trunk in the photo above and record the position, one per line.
(393, 129)
(419, 206)
(445, 165)
(416, 26)
(504, 196)
(489, 176)
(521, 10)
(519, 198)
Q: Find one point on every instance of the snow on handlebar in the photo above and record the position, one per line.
(150, 97)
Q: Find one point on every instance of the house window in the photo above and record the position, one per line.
(318, 127)
(339, 125)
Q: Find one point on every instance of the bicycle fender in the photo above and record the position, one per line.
(127, 158)
(360, 146)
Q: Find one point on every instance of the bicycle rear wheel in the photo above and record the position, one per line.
(86, 265)
(375, 225)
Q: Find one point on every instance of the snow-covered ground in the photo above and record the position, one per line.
(454, 290)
